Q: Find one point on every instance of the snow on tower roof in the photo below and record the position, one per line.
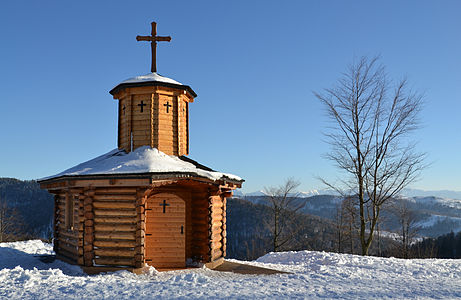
(140, 161)
(150, 77)
(153, 79)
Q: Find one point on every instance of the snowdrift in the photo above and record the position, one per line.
(314, 275)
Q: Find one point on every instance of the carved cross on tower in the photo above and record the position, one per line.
(168, 105)
(154, 39)
(142, 104)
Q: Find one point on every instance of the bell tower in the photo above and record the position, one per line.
(153, 110)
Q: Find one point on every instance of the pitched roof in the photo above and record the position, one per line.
(143, 160)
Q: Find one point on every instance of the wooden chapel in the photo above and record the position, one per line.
(144, 203)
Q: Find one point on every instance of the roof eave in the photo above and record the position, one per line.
(154, 176)
(122, 86)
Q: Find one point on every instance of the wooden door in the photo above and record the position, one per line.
(165, 243)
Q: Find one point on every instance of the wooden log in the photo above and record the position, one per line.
(115, 235)
(115, 227)
(104, 252)
(73, 242)
(115, 243)
(114, 191)
(216, 236)
(216, 245)
(67, 255)
(114, 197)
(113, 205)
(88, 248)
(115, 213)
(89, 223)
(216, 217)
(89, 215)
(217, 224)
(70, 249)
(114, 261)
(217, 211)
(117, 220)
(87, 201)
(67, 234)
(88, 239)
(215, 254)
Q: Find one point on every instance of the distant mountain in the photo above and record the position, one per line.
(406, 192)
(302, 194)
(440, 193)
(434, 216)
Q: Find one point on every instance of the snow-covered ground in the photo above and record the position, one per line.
(314, 275)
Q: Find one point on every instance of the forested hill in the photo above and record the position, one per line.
(249, 231)
(33, 207)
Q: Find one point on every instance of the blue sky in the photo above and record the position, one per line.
(253, 64)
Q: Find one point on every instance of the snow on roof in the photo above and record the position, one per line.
(142, 160)
(150, 77)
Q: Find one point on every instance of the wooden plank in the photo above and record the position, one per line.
(115, 227)
(115, 235)
(166, 264)
(118, 220)
(166, 257)
(113, 205)
(114, 243)
(114, 197)
(115, 261)
(101, 252)
(163, 242)
(115, 213)
(161, 216)
(150, 229)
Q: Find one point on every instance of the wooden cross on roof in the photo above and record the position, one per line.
(153, 38)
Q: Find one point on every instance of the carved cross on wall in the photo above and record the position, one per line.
(168, 105)
(164, 204)
(142, 104)
(153, 38)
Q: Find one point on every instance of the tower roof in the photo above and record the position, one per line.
(151, 79)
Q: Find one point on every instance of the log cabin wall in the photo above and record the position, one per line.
(104, 222)
(68, 228)
(217, 232)
(155, 117)
(115, 226)
(200, 218)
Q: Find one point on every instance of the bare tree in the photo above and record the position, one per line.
(407, 221)
(370, 125)
(10, 223)
(284, 202)
(340, 226)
